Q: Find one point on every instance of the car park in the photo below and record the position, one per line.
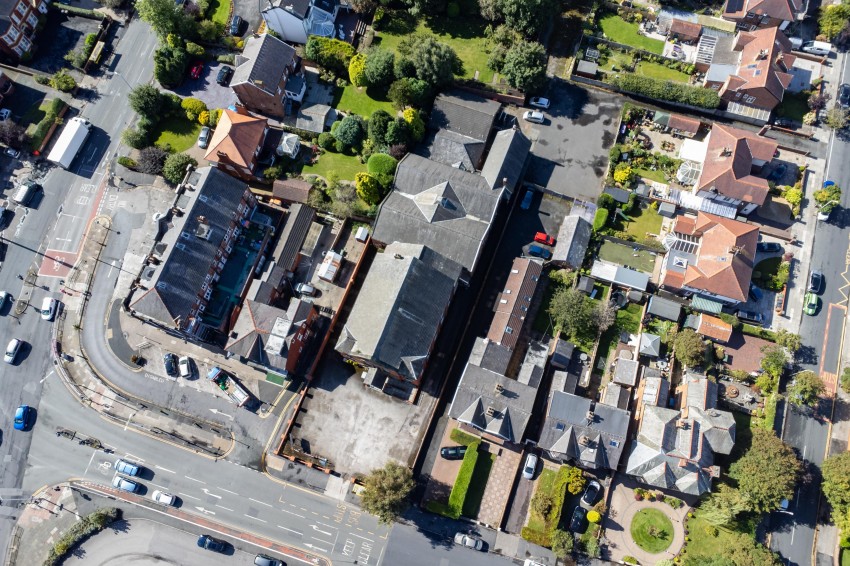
(769, 247)
(530, 466)
(48, 308)
(844, 95)
(162, 497)
(591, 492)
(544, 238)
(811, 302)
(184, 366)
(224, 75)
(235, 24)
(22, 417)
(539, 102)
(125, 467)
(534, 116)
(204, 137)
(537, 251)
(578, 520)
(453, 452)
(196, 70)
(468, 541)
(815, 281)
(170, 362)
(210, 543)
(12, 351)
(750, 316)
(124, 484)
(526, 199)
(266, 560)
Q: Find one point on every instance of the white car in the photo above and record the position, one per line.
(184, 366)
(530, 467)
(539, 102)
(48, 308)
(12, 351)
(204, 137)
(534, 116)
(162, 497)
(468, 541)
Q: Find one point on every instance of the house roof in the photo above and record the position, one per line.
(684, 29)
(573, 239)
(490, 355)
(618, 194)
(298, 222)
(263, 333)
(728, 164)
(399, 309)
(562, 356)
(765, 63)
(185, 257)
(617, 396)
(664, 308)
(712, 327)
(626, 372)
(438, 206)
(457, 150)
(684, 123)
(506, 160)
(299, 8)
(650, 345)
(594, 435)
(291, 190)
(237, 136)
(263, 62)
(513, 303)
(464, 113)
(314, 117)
(619, 275)
(493, 403)
(786, 10)
(534, 363)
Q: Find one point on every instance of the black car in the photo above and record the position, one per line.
(578, 523)
(224, 74)
(170, 361)
(591, 493)
(235, 24)
(453, 452)
(769, 247)
(844, 95)
(815, 281)
(209, 543)
(785, 123)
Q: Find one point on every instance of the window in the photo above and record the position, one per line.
(21, 7)
(504, 301)
(32, 20)
(16, 19)
(13, 33)
(507, 291)
(749, 99)
(208, 294)
(560, 426)
(509, 330)
(26, 44)
(185, 235)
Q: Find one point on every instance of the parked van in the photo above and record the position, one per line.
(48, 308)
(820, 48)
(25, 193)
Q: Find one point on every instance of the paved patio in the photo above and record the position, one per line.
(498, 490)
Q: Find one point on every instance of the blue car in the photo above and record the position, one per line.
(209, 543)
(22, 417)
(537, 251)
(526, 199)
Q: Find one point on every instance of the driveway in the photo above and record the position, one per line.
(570, 151)
(250, 12)
(206, 89)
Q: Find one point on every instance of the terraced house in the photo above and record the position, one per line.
(18, 22)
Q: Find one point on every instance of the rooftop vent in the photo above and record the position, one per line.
(682, 423)
(726, 152)
(762, 54)
(584, 441)
(203, 231)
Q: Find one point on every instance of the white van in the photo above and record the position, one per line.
(48, 308)
(24, 193)
(820, 48)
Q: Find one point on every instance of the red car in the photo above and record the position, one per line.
(544, 238)
(197, 69)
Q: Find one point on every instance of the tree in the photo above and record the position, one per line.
(604, 315)
(408, 92)
(386, 491)
(134, 138)
(151, 160)
(164, 16)
(766, 473)
(836, 482)
(743, 550)
(175, 166)
(351, 131)
(571, 312)
(169, 65)
(435, 62)
(378, 122)
(380, 65)
(146, 100)
(329, 53)
(382, 167)
(836, 118)
(845, 380)
(193, 108)
(788, 340)
(818, 100)
(526, 16)
(542, 503)
(773, 360)
(524, 66)
(689, 347)
(14, 135)
(833, 19)
(414, 123)
(575, 480)
(210, 31)
(562, 543)
(827, 197)
(806, 389)
(489, 9)
(363, 6)
(398, 132)
(62, 81)
(356, 70)
(722, 506)
(368, 188)
(623, 173)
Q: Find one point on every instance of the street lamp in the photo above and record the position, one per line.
(826, 209)
(117, 74)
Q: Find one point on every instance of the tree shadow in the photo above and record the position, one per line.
(400, 23)
(459, 28)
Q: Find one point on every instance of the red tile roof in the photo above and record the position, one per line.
(685, 30)
(762, 69)
(714, 328)
(236, 137)
(684, 124)
(514, 301)
(729, 160)
(292, 190)
(785, 10)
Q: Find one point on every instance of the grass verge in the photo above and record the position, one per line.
(179, 133)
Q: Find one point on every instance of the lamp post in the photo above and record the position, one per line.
(117, 74)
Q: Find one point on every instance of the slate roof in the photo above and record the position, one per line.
(490, 355)
(592, 435)
(619, 275)
(399, 309)
(506, 159)
(464, 113)
(618, 194)
(563, 355)
(438, 206)
(728, 164)
(236, 136)
(493, 403)
(616, 396)
(533, 364)
(263, 62)
(291, 190)
(664, 308)
(650, 345)
(573, 239)
(299, 8)
(315, 117)
(457, 150)
(174, 284)
(263, 333)
(626, 372)
(289, 242)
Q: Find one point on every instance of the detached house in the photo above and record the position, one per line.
(752, 14)
(266, 76)
(296, 20)
(236, 143)
(710, 256)
(18, 21)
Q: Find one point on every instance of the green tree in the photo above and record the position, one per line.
(689, 348)
(63, 81)
(788, 340)
(435, 62)
(836, 118)
(827, 197)
(329, 53)
(164, 16)
(571, 312)
(378, 122)
(193, 108)
(833, 19)
(351, 131)
(524, 66)
(766, 473)
(542, 503)
(175, 166)
(169, 65)
(575, 480)
(386, 492)
(773, 360)
(398, 132)
(562, 543)
(368, 188)
(382, 167)
(380, 65)
(414, 123)
(146, 101)
(836, 481)
(524, 16)
(722, 506)
(357, 70)
(499, 40)
(806, 389)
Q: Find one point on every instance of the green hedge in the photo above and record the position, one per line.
(536, 537)
(768, 416)
(91, 14)
(80, 531)
(758, 332)
(667, 90)
(463, 438)
(559, 493)
(600, 219)
(51, 115)
(464, 476)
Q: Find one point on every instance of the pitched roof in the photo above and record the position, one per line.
(728, 164)
(765, 62)
(399, 309)
(573, 239)
(490, 355)
(506, 159)
(457, 150)
(786, 10)
(626, 372)
(298, 222)
(619, 275)
(263, 62)
(438, 206)
(712, 327)
(299, 8)
(514, 301)
(684, 123)
(236, 136)
(263, 333)
(292, 190)
(664, 308)
(464, 113)
(684, 29)
(650, 345)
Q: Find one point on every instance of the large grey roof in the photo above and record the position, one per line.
(664, 308)
(490, 355)
(506, 159)
(464, 113)
(573, 239)
(438, 206)
(591, 435)
(509, 406)
(619, 275)
(617, 396)
(298, 222)
(457, 150)
(626, 372)
(185, 257)
(650, 345)
(262, 62)
(298, 8)
(399, 309)
(263, 333)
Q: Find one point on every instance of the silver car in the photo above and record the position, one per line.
(162, 497)
(468, 541)
(204, 137)
(12, 351)
(534, 116)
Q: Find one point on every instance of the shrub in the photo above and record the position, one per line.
(414, 123)
(380, 65)
(463, 438)
(134, 138)
(666, 90)
(63, 81)
(175, 166)
(332, 54)
(228, 59)
(215, 116)
(378, 122)
(600, 219)
(210, 31)
(152, 159)
(562, 543)
(357, 70)
(193, 108)
(593, 516)
(398, 132)
(453, 10)
(575, 479)
(273, 172)
(80, 531)
(382, 167)
(194, 49)
(464, 476)
(351, 131)
(535, 537)
(339, 147)
(368, 188)
(126, 162)
(630, 560)
(204, 118)
(606, 201)
(326, 141)
(42, 79)
(50, 117)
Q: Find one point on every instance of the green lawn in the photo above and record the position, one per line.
(362, 101)
(478, 484)
(659, 71)
(628, 320)
(345, 166)
(641, 260)
(620, 31)
(219, 11)
(179, 133)
(643, 221)
(617, 59)
(644, 523)
(35, 113)
(703, 543)
(464, 35)
(651, 175)
(845, 557)
(794, 106)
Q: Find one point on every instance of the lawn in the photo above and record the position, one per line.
(642, 222)
(628, 320)
(621, 254)
(659, 71)
(765, 271)
(703, 543)
(845, 557)
(478, 484)
(362, 101)
(345, 166)
(620, 31)
(219, 11)
(35, 114)
(794, 106)
(544, 485)
(179, 133)
(657, 176)
(652, 530)
(465, 36)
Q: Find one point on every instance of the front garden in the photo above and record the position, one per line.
(652, 530)
(468, 489)
(546, 515)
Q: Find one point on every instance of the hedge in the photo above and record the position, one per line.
(50, 117)
(600, 219)
(463, 437)
(667, 90)
(91, 14)
(442, 509)
(536, 537)
(559, 493)
(91, 524)
(464, 476)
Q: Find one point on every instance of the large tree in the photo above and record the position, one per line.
(387, 491)
(13, 134)
(380, 65)
(146, 100)
(773, 360)
(836, 481)
(689, 347)
(833, 19)
(788, 340)
(351, 131)
(525, 66)
(164, 16)
(175, 166)
(571, 312)
(169, 65)
(435, 62)
(378, 122)
(524, 16)
(767, 472)
(722, 506)
(806, 389)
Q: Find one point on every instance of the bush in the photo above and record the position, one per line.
(339, 147)
(630, 560)
(273, 172)
(382, 167)
(80, 531)
(666, 90)
(146, 101)
(331, 54)
(215, 116)
(398, 132)
(464, 477)
(152, 159)
(351, 131)
(452, 10)
(593, 516)
(414, 123)
(175, 166)
(194, 49)
(326, 141)
(380, 65)
(126, 162)
(57, 105)
(210, 31)
(575, 479)
(134, 138)
(562, 543)
(228, 59)
(62, 81)
(193, 108)
(204, 118)
(463, 438)
(357, 70)
(600, 219)
(535, 537)
(368, 188)
(42, 79)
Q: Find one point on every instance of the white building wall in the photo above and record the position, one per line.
(288, 25)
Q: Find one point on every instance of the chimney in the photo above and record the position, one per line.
(491, 411)
(589, 417)
(734, 250)
(762, 55)
(398, 256)
(725, 152)
(584, 441)
(499, 388)
(505, 182)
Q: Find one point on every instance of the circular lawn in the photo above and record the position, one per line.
(652, 530)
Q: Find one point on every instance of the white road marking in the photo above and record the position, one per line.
(189, 496)
(358, 536)
(290, 530)
(205, 490)
(317, 529)
(227, 490)
(193, 479)
(291, 513)
(260, 502)
(165, 470)
(256, 518)
(223, 507)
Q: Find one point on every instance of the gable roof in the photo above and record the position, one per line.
(785, 10)
(292, 190)
(506, 159)
(765, 63)
(728, 164)
(514, 301)
(298, 8)
(684, 123)
(573, 239)
(263, 62)
(263, 333)
(237, 136)
(464, 113)
(457, 150)
(711, 327)
(398, 312)
(619, 275)
(685, 30)
(664, 308)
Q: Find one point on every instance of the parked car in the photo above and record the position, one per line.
(534, 116)
(530, 466)
(815, 281)
(769, 247)
(537, 251)
(785, 123)
(48, 308)
(224, 75)
(578, 521)
(544, 238)
(12, 152)
(591, 492)
(539, 102)
(12, 351)
(4, 114)
(235, 24)
(305, 289)
(4, 296)
(526, 199)
(162, 497)
(209, 543)
(196, 69)
(124, 484)
(777, 173)
(122, 466)
(755, 293)
(204, 137)
(23, 415)
(453, 452)
(844, 95)
(184, 366)
(468, 541)
(751, 317)
(170, 362)
(811, 302)
(265, 560)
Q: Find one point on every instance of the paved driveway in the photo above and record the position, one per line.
(250, 12)
(570, 151)
(206, 89)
